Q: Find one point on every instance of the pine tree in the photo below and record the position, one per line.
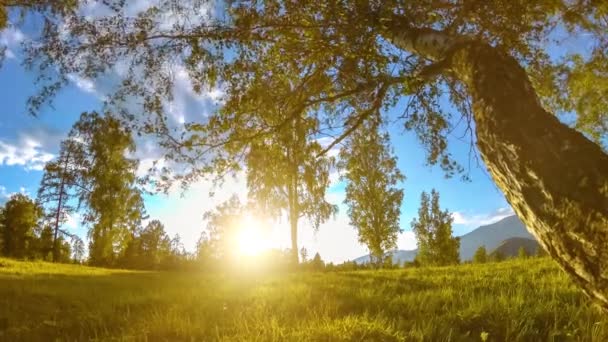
(317, 263)
(433, 229)
(62, 183)
(372, 196)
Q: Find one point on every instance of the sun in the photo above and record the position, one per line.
(250, 239)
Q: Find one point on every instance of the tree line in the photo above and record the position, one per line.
(91, 178)
(93, 175)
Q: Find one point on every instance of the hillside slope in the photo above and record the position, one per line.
(510, 247)
(492, 235)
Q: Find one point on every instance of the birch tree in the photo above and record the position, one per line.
(372, 196)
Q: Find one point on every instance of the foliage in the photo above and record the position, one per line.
(63, 182)
(13, 13)
(372, 196)
(585, 84)
(480, 256)
(349, 73)
(150, 248)
(20, 218)
(78, 249)
(285, 174)
(433, 229)
(21, 226)
(221, 229)
(497, 256)
(457, 303)
(114, 204)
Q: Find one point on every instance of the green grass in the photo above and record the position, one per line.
(527, 300)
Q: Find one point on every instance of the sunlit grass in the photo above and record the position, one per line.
(527, 300)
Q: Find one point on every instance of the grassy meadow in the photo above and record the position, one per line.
(519, 300)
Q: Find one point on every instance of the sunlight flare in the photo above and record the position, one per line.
(251, 238)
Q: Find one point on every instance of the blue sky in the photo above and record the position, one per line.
(27, 142)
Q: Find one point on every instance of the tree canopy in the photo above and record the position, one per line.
(372, 196)
(433, 229)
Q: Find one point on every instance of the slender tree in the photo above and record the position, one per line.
(61, 185)
(286, 174)
(372, 196)
(285, 177)
(355, 57)
(433, 229)
(77, 249)
(303, 255)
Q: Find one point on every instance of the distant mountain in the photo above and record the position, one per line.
(399, 256)
(510, 247)
(490, 236)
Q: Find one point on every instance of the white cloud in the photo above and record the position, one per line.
(10, 38)
(186, 105)
(73, 221)
(27, 152)
(84, 84)
(476, 220)
(407, 240)
(5, 194)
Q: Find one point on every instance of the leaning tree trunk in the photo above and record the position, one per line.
(555, 179)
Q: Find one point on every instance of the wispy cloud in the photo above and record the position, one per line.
(475, 220)
(11, 38)
(4, 195)
(27, 152)
(84, 84)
